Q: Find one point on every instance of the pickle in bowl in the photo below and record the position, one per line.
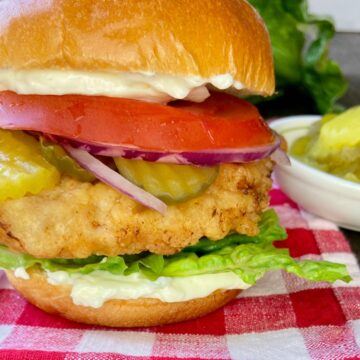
(333, 145)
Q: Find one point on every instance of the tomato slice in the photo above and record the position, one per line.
(222, 121)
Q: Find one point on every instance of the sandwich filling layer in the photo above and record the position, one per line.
(78, 219)
(96, 288)
(148, 87)
(234, 262)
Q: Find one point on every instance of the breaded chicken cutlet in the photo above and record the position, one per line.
(76, 220)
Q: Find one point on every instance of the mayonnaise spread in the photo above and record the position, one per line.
(21, 273)
(96, 288)
(150, 87)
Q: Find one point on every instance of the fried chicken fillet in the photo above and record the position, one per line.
(76, 220)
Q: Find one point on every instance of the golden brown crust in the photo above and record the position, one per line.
(202, 38)
(76, 220)
(115, 313)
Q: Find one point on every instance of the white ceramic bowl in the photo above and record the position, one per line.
(317, 192)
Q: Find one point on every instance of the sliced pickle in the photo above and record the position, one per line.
(57, 156)
(171, 183)
(23, 169)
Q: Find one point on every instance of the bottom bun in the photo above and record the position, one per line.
(115, 313)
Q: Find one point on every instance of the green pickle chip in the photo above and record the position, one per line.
(23, 169)
(333, 145)
(170, 182)
(57, 156)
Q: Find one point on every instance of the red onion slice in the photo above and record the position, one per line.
(200, 158)
(114, 179)
(281, 157)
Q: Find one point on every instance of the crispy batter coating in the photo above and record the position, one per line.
(76, 220)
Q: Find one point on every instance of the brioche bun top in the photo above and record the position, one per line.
(203, 38)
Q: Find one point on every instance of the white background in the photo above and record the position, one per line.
(345, 12)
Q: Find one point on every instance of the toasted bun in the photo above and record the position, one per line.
(115, 313)
(193, 38)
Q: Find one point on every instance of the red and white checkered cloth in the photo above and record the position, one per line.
(282, 317)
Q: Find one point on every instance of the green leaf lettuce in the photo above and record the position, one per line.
(300, 43)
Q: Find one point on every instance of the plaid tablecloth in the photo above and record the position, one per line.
(282, 317)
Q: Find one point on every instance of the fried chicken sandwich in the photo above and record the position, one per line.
(134, 177)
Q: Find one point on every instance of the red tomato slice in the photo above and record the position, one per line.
(220, 122)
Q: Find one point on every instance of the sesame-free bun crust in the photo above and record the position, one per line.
(202, 38)
(114, 313)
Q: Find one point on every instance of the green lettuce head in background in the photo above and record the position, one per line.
(304, 72)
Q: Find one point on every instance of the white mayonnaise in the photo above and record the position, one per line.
(140, 86)
(21, 273)
(96, 288)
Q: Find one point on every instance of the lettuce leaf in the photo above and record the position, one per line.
(251, 261)
(300, 43)
(248, 257)
(270, 231)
